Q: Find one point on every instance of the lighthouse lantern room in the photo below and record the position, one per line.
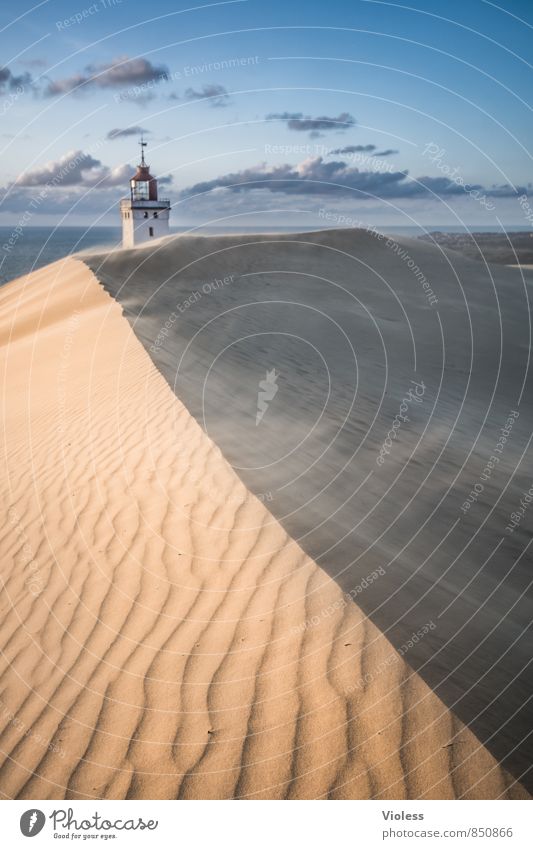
(144, 215)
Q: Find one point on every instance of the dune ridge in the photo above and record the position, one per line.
(162, 635)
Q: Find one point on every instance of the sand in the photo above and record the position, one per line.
(349, 323)
(162, 636)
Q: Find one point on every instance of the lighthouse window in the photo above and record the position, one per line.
(140, 189)
(146, 215)
(151, 231)
(155, 214)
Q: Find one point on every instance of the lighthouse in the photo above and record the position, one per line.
(144, 215)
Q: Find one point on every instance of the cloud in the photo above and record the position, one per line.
(353, 148)
(76, 181)
(388, 152)
(12, 82)
(304, 123)
(217, 94)
(314, 176)
(118, 133)
(507, 191)
(75, 168)
(119, 73)
(107, 177)
(361, 148)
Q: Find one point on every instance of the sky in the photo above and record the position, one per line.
(260, 113)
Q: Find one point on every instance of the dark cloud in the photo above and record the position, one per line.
(507, 191)
(304, 123)
(217, 94)
(314, 176)
(12, 82)
(118, 133)
(361, 148)
(120, 73)
(353, 148)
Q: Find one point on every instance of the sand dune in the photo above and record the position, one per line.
(349, 325)
(162, 635)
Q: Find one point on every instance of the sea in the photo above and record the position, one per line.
(34, 247)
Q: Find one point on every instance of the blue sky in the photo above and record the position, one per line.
(261, 113)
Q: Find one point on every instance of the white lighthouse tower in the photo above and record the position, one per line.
(144, 215)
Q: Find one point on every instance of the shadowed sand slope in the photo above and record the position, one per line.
(161, 635)
(362, 386)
